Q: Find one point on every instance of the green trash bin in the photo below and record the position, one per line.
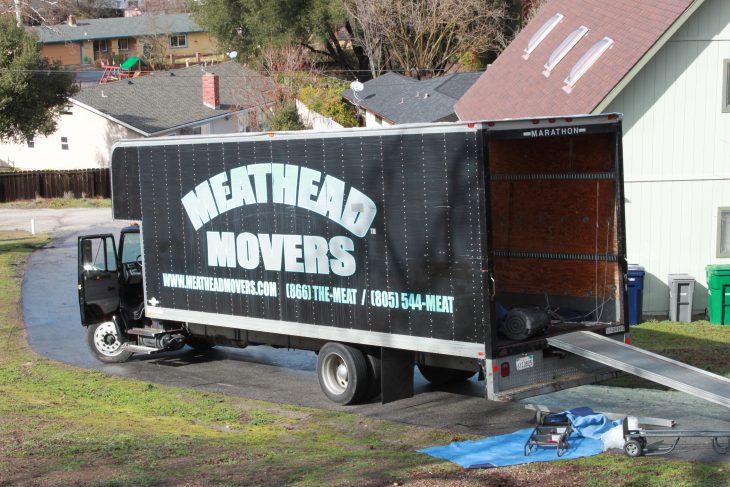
(718, 289)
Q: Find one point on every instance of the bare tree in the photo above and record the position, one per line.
(530, 10)
(164, 6)
(424, 37)
(368, 14)
(287, 68)
(50, 12)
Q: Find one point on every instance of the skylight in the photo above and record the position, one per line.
(564, 48)
(585, 62)
(541, 34)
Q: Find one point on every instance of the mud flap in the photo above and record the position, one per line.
(396, 379)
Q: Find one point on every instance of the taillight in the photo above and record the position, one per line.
(627, 340)
(505, 369)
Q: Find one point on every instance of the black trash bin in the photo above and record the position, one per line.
(636, 293)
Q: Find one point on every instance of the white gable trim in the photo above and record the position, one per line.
(648, 56)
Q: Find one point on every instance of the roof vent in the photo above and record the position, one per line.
(541, 34)
(564, 48)
(585, 62)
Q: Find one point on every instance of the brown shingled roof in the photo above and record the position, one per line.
(516, 87)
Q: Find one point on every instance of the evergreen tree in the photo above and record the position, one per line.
(33, 91)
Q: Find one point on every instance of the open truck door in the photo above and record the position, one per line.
(98, 278)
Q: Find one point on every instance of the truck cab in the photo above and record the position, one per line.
(111, 298)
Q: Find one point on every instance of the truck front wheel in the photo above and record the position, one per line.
(106, 342)
(342, 372)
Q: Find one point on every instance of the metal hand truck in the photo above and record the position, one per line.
(552, 431)
(637, 445)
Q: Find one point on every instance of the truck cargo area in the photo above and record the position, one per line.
(557, 230)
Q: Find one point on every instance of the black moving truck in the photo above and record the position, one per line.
(459, 248)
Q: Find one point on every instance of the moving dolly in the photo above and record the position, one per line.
(636, 440)
(552, 431)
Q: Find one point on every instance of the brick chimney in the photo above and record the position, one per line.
(211, 91)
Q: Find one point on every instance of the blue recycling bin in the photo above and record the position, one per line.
(636, 293)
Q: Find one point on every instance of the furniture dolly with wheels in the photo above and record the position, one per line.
(637, 445)
(552, 431)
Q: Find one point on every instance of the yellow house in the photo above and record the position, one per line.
(112, 40)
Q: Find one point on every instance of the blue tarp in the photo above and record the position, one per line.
(505, 450)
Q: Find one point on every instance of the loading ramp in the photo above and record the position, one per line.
(647, 365)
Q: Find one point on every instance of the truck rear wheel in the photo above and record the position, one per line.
(105, 342)
(440, 376)
(374, 373)
(342, 372)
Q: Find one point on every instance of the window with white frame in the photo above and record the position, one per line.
(31, 143)
(179, 40)
(723, 232)
(726, 86)
(123, 44)
(64, 143)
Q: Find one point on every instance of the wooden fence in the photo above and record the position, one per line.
(77, 183)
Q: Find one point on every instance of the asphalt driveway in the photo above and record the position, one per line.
(50, 307)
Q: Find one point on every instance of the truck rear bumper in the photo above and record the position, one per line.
(540, 372)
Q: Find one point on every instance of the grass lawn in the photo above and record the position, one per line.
(57, 203)
(61, 425)
(699, 343)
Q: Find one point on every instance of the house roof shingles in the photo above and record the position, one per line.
(142, 25)
(400, 99)
(167, 99)
(514, 87)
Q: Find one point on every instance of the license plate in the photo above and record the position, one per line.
(615, 329)
(524, 362)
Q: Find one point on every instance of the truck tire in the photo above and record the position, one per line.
(342, 372)
(374, 376)
(440, 376)
(105, 342)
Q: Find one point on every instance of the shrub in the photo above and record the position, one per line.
(286, 117)
(325, 98)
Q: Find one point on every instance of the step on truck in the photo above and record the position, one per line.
(490, 248)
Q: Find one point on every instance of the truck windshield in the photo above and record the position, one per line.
(131, 247)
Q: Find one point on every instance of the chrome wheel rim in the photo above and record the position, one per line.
(336, 375)
(632, 449)
(106, 339)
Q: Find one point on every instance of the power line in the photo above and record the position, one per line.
(314, 73)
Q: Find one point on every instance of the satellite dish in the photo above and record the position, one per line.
(356, 86)
(233, 54)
